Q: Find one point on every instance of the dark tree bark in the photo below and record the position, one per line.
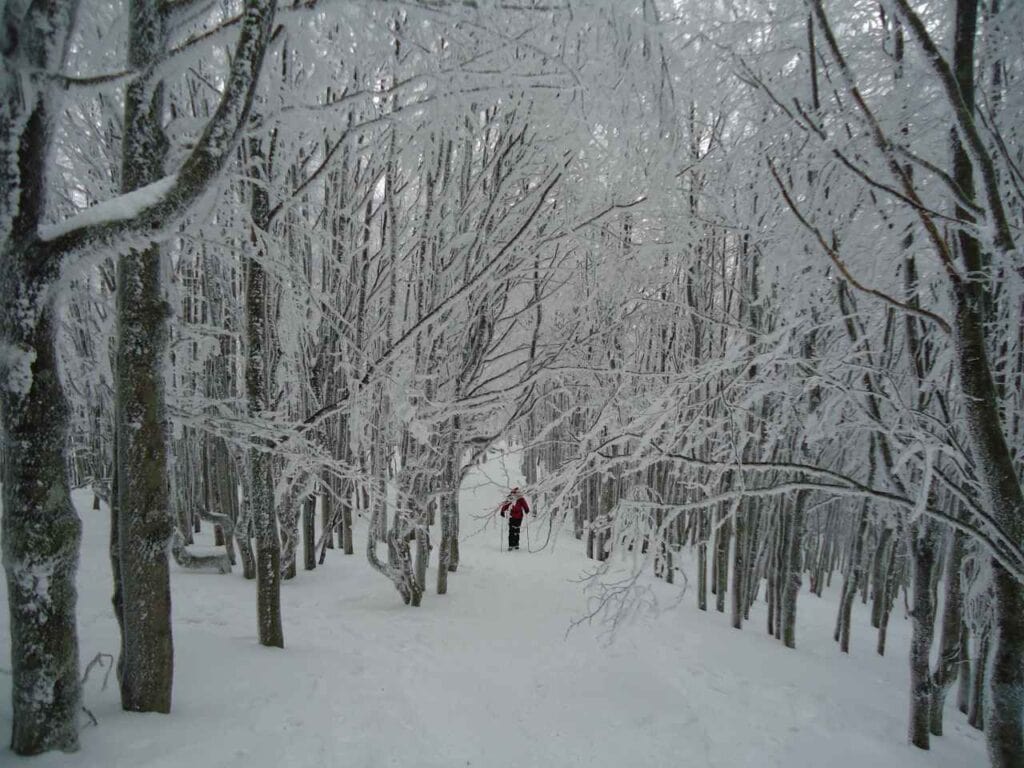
(739, 567)
(143, 489)
(449, 507)
(41, 532)
(257, 362)
(793, 578)
(720, 564)
(923, 615)
(853, 580)
(976, 708)
(879, 573)
(999, 481)
(702, 559)
(41, 537)
(309, 533)
(950, 651)
(963, 689)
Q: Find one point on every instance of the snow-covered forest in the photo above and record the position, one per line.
(732, 290)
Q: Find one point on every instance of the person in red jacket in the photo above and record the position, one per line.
(514, 508)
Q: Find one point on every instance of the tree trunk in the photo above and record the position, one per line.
(739, 568)
(879, 576)
(997, 473)
(963, 690)
(41, 532)
(950, 652)
(422, 534)
(1004, 705)
(41, 538)
(309, 533)
(144, 524)
(261, 486)
(702, 560)
(244, 536)
(923, 615)
(268, 552)
(793, 570)
(852, 582)
(289, 526)
(450, 507)
(326, 512)
(891, 588)
(144, 518)
(976, 710)
(720, 566)
(345, 532)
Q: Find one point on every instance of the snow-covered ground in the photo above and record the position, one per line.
(487, 676)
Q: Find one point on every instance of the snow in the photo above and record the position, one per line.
(120, 208)
(488, 676)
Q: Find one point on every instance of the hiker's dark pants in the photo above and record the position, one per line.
(513, 532)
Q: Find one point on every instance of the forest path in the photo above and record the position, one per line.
(487, 676)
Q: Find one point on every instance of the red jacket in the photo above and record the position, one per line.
(515, 509)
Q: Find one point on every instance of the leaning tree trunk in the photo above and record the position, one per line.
(1004, 498)
(998, 477)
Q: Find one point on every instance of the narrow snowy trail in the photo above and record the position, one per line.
(487, 676)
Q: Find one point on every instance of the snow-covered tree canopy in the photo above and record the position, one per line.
(741, 277)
